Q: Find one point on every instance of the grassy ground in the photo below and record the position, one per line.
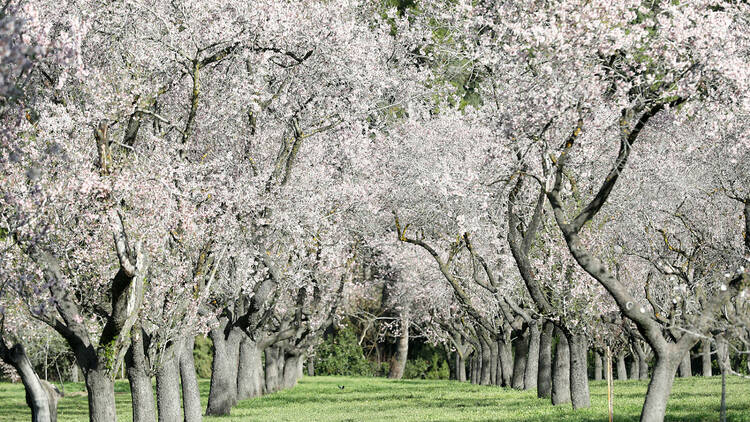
(379, 399)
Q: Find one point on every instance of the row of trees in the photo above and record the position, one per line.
(501, 174)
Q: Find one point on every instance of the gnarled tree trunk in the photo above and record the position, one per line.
(521, 350)
(532, 361)
(579, 376)
(505, 352)
(398, 363)
(561, 371)
(36, 395)
(272, 369)
(250, 372)
(141, 390)
(191, 395)
(168, 385)
(544, 376)
(226, 347)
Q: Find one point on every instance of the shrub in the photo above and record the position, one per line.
(341, 354)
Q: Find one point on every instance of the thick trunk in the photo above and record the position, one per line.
(250, 371)
(168, 385)
(494, 378)
(222, 394)
(460, 368)
(141, 390)
(475, 366)
(521, 350)
(579, 377)
(291, 370)
(272, 369)
(42, 409)
(706, 358)
(544, 376)
(561, 371)
(622, 369)
(505, 352)
(398, 363)
(485, 370)
(686, 367)
(532, 362)
(101, 394)
(597, 366)
(655, 406)
(191, 395)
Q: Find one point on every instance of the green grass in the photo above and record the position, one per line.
(379, 399)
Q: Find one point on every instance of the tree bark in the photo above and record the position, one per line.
(706, 357)
(561, 371)
(191, 395)
(532, 361)
(222, 394)
(398, 363)
(101, 392)
(579, 376)
(494, 359)
(485, 364)
(659, 388)
(460, 368)
(505, 352)
(521, 350)
(310, 366)
(686, 367)
(622, 369)
(250, 371)
(36, 395)
(544, 376)
(597, 366)
(168, 385)
(634, 369)
(141, 389)
(291, 370)
(272, 369)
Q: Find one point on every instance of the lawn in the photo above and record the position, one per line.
(379, 399)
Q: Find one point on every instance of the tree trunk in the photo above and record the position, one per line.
(141, 389)
(686, 367)
(521, 350)
(36, 395)
(579, 375)
(659, 388)
(250, 371)
(272, 369)
(485, 363)
(544, 376)
(74, 371)
(168, 385)
(460, 368)
(597, 366)
(494, 378)
(291, 370)
(505, 352)
(191, 395)
(622, 369)
(634, 369)
(475, 366)
(532, 361)
(706, 357)
(101, 393)
(222, 394)
(310, 366)
(561, 371)
(398, 363)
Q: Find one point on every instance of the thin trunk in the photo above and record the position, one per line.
(74, 371)
(722, 357)
(706, 357)
(168, 385)
(36, 395)
(521, 350)
(544, 377)
(532, 362)
(141, 389)
(250, 371)
(561, 371)
(579, 376)
(597, 366)
(622, 369)
(191, 395)
(398, 363)
(310, 366)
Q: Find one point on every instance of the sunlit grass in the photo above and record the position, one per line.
(379, 399)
